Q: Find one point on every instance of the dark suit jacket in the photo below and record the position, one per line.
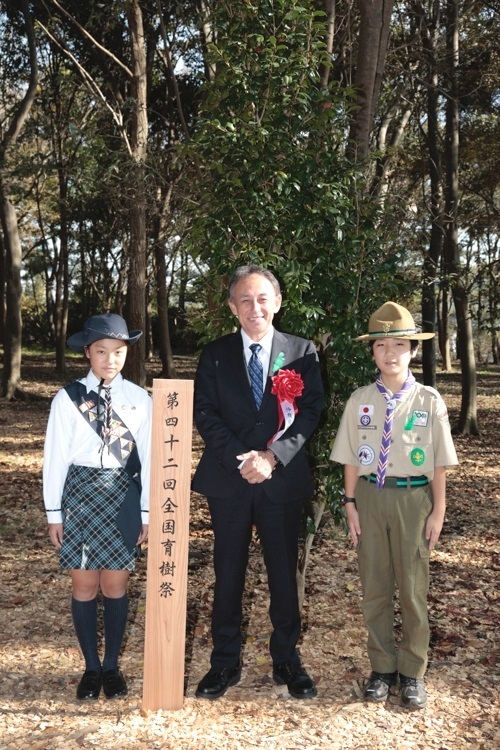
(230, 424)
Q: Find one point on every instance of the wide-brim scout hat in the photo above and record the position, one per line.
(392, 321)
(105, 326)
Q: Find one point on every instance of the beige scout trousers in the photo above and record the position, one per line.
(393, 550)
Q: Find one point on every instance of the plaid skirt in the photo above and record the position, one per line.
(90, 503)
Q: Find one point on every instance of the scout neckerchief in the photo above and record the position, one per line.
(390, 408)
(107, 425)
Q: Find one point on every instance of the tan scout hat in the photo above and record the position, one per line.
(394, 321)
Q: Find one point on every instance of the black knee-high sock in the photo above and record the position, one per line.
(115, 620)
(85, 622)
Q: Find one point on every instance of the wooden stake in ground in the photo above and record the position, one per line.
(168, 543)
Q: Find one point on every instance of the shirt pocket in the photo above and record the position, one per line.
(417, 452)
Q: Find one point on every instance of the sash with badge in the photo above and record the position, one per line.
(121, 444)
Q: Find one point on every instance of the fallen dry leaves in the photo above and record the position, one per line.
(41, 662)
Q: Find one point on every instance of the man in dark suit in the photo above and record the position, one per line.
(249, 480)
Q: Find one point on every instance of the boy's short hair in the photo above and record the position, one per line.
(413, 344)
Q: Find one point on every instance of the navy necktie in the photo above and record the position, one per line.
(256, 373)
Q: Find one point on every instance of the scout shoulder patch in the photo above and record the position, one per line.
(442, 412)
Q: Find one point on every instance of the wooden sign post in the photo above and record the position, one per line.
(168, 545)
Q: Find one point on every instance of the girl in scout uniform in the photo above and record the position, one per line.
(395, 443)
(96, 489)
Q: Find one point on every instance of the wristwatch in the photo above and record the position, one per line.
(344, 500)
(277, 461)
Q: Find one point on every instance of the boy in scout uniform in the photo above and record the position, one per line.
(395, 443)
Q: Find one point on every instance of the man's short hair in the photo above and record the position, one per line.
(243, 271)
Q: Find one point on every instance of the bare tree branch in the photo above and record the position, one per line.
(94, 40)
(91, 84)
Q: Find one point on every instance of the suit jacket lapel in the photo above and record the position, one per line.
(280, 346)
(237, 366)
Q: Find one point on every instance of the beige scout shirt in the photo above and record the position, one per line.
(421, 436)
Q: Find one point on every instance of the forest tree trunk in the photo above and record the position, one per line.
(11, 373)
(467, 423)
(136, 290)
(372, 51)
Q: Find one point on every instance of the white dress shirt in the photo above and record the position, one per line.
(264, 355)
(71, 440)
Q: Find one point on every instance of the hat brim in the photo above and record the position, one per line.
(78, 341)
(409, 337)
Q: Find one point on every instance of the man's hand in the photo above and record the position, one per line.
(257, 466)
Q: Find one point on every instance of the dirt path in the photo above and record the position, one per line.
(41, 663)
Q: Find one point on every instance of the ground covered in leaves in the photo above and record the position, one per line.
(41, 663)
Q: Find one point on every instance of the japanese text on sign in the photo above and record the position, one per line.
(171, 429)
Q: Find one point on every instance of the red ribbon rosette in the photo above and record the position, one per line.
(287, 386)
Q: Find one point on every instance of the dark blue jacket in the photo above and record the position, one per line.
(230, 424)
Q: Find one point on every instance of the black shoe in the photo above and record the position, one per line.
(295, 677)
(89, 686)
(413, 693)
(217, 680)
(378, 686)
(113, 684)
